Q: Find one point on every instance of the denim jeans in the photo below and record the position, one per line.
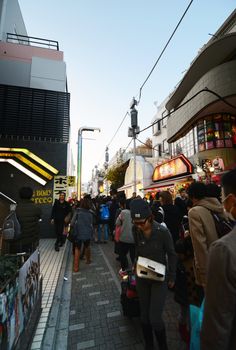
(105, 229)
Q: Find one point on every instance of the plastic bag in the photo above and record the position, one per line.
(196, 317)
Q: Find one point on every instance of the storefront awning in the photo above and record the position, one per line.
(127, 186)
(167, 183)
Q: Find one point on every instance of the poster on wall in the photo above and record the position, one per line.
(10, 327)
(28, 286)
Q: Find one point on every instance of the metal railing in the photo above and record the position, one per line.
(30, 40)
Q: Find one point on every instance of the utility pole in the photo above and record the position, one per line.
(133, 131)
(106, 167)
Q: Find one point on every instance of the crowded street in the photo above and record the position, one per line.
(91, 316)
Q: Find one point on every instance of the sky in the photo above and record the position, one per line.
(109, 48)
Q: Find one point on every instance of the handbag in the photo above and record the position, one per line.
(117, 233)
(71, 235)
(150, 269)
(67, 218)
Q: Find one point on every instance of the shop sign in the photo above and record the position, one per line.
(61, 184)
(178, 166)
(42, 197)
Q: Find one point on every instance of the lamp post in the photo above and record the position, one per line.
(133, 131)
(79, 162)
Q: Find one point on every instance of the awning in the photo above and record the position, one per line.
(167, 183)
(127, 186)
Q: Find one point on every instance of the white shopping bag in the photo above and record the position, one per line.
(150, 269)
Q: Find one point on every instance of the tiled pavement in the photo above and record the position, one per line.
(82, 310)
(50, 266)
(96, 320)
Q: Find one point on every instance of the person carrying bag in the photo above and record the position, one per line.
(153, 244)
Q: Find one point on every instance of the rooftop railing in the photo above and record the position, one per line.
(33, 41)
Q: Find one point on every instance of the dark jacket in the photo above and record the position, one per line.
(82, 222)
(60, 211)
(219, 321)
(28, 215)
(158, 247)
(172, 219)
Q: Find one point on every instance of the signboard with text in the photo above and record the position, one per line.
(172, 168)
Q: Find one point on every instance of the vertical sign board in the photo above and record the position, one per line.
(62, 183)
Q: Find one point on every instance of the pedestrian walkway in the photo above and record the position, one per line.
(83, 311)
(96, 320)
(50, 266)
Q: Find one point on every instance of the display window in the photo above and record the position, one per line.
(214, 131)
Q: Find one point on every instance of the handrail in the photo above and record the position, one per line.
(10, 199)
(27, 40)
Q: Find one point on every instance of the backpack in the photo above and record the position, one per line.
(223, 226)
(11, 227)
(104, 212)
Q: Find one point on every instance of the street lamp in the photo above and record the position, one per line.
(79, 162)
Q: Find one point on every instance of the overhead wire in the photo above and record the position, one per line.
(162, 52)
(187, 101)
(150, 73)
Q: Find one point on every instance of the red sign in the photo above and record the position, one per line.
(174, 167)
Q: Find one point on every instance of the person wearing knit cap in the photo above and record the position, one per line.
(154, 242)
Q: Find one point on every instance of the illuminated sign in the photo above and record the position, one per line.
(24, 170)
(42, 197)
(31, 155)
(172, 168)
(7, 155)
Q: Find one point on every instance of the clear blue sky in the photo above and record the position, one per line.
(109, 48)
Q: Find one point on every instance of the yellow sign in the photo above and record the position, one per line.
(71, 181)
(42, 197)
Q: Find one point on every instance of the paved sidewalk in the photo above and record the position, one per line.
(96, 320)
(50, 267)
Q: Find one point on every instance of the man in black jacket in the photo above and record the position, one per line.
(28, 215)
(60, 211)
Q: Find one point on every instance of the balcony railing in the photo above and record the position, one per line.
(33, 41)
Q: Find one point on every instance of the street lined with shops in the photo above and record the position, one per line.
(86, 312)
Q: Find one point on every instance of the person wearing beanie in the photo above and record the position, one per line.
(154, 242)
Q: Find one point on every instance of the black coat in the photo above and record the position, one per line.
(172, 219)
(28, 215)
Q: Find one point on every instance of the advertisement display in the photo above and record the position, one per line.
(175, 167)
(17, 301)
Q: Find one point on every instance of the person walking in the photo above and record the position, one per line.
(82, 224)
(126, 239)
(219, 321)
(28, 215)
(154, 242)
(172, 215)
(60, 216)
(202, 227)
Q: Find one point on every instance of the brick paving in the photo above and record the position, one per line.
(95, 317)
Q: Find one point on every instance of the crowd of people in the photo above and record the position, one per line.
(182, 234)
(192, 235)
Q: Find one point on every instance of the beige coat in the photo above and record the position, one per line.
(219, 321)
(203, 233)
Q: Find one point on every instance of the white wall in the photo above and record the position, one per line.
(11, 20)
(47, 74)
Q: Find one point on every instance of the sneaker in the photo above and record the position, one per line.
(122, 273)
(57, 248)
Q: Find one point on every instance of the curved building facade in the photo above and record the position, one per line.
(202, 124)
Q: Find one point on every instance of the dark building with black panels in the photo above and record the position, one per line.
(34, 114)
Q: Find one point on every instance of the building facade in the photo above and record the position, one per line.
(202, 124)
(34, 113)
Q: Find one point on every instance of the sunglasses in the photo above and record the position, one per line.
(139, 223)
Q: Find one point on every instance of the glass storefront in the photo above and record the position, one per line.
(214, 131)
